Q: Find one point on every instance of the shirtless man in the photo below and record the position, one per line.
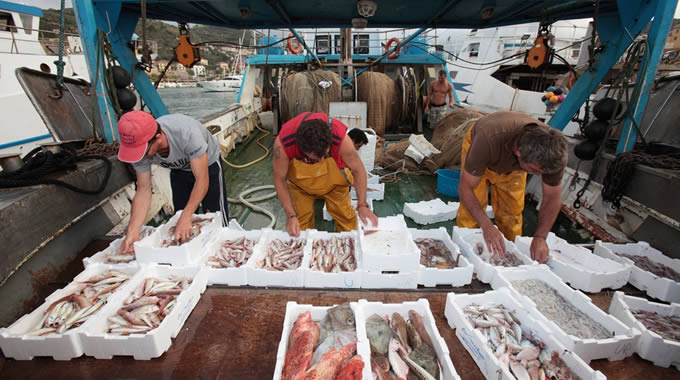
(436, 102)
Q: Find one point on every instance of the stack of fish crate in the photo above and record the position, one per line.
(151, 250)
(490, 361)
(390, 257)
(458, 275)
(27, 338)
(663, 351)
(616, 341)
(471, 240)
(578, 266)
(663, 284)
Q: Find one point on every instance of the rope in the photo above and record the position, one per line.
(146, 55)
(620, 172)
(38, 164)
(259, 142)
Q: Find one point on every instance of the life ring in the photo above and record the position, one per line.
(297, 50)
(388, 46)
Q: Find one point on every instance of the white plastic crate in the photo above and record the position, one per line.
(476, 343)
(15, 342)
(317, 279)
(389, 280)
(650, 346)
(114, 248)
(293, 310)
(228, 276)
(374, 191)
(658, 287)
(422, 306)
(262, 277)
(98, 343)
(327, 216)
(458, 276)
(371, 178)
(485, 271)
(429, 212)
(390, 247)
(149, 251)
(617, 347)
(578, 266)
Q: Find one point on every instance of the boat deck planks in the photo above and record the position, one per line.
(233, 333)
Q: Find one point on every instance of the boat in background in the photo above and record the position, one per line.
(230, 83)
(20, 47)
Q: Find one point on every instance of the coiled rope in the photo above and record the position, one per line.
(38, 164)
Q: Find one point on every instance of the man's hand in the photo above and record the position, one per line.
(451, 105)
(494, 240)
(127, 248)
(539, 249)
(427, 109)
(293, 226)
(183, 228)
(366, 215)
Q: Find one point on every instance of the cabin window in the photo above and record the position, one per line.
(361, 44)
(323, 44)
(576, 50)
(338, 44)
(474, 49)
(27, 21)
(452, 74)
(7, 22)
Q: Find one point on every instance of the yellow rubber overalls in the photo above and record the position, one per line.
(321, 180)
(507, 197)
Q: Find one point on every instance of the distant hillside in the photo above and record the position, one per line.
(165, 35)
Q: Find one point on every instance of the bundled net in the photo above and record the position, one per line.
(307, 91)
(383, 97)
(448, 138)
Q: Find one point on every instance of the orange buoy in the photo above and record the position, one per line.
(389, 45)
(296, 50)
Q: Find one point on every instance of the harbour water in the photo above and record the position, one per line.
(196, 102)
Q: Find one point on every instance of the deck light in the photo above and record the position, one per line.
(359, 23)
(366, 8)
(488, 8)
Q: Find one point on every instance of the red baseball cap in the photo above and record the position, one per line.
(135, 129)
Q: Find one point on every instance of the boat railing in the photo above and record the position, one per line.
(12, 33)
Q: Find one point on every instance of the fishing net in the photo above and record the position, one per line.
(383, 100)
(308, 91)
(448, 138)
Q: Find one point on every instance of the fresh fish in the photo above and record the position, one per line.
(303, 337)
(399, 329)
(333, 255)
(414, 339)
(417, 321)
(435, 254)
(396, 362)
(426, 358)
(197, 223)
(668, 327)
(330, 365)
(352, 370)
(378, 333)
(282, 255)
(233, 253)
(644, 263)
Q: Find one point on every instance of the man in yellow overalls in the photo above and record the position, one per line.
(314, 159)
(497, 153)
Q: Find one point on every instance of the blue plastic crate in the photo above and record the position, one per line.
(447, 182)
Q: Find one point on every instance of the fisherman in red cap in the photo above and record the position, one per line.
(187, 148)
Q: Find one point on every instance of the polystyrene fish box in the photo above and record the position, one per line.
(263, 277)
(476, 343)
(651, 346)
(617, 347)
(99, 343)
(389, 280)
(389, 247)
(318, 279)
(429, 212)
(16, 342)
(327, 216)
(485, 271)
(422, 307)
(661, 288)
(228, 276)
(458, 276)
(149, 250)
(371, 178)
(114, 248)
(578, 266)
(375, 191)
(293, 310)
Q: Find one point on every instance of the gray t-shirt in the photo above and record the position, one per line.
(188, 139)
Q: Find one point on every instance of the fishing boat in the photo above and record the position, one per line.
(20, 46)
(230, 83)
(234, 332)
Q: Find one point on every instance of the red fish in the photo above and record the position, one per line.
(330, 364)
(303, 337)
(352, 370)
